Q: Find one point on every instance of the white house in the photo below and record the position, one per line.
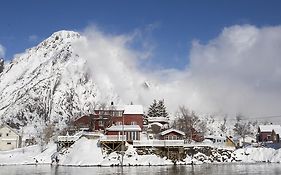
(218, 140)
(9, 138)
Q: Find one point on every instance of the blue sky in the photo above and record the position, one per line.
(173, 24)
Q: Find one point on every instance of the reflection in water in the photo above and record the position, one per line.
(206, 169)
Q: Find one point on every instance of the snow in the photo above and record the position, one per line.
(268, 128)
(87, 152)
(252, 155)
(130, 109)
(27, 155)
(50, 78)
(84, 152)
(172, 130)
(158, 119)
(133, 109)
(126, 128)
(278, 131)
(156, 123)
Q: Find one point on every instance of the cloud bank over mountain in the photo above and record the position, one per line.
(239, 71)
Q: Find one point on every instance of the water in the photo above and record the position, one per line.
(205, 169)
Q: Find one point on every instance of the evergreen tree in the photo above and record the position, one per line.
(157, 109)
(152, 111)
(162, 109)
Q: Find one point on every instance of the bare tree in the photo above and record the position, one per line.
(48, 132)
(241, 127)
(223, 126)
(188, 122)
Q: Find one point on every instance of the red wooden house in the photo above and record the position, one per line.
(103, 119)
(172, 134)
(265, 132)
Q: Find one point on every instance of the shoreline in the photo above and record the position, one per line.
(139, 165)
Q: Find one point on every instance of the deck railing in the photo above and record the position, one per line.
(158, 143)
(175, 143)
(67, 138)
(113, 138)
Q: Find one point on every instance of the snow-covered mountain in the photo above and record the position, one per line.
(1, 65)
(48, 82)
(52, 83)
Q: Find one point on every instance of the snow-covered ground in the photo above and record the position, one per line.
(27, 155)
(86, 152)
(252, 155)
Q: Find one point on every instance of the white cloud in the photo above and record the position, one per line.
(2, 51)
(238, 71)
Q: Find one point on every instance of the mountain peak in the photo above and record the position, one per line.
(65, 34)
(62, 36)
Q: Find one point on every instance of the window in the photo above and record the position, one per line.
(100, 123)
(0, 134)
(7, 134)
(9, 143)
(117, 113)
(118, 123)
(171, 137)
(133, 123)
(133, 135)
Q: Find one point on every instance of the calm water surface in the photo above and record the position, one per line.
(229, 169)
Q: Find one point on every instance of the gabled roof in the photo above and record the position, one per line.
(156, 123)
(268, 128)
(158, 119)
(128, 109)
(13, 130)
(172, 130)
(126, 128)
(133, 109)
(215, 137)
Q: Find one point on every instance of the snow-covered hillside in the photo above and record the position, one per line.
(48, 82)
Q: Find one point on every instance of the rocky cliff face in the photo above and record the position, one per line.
(47, 83)
(1, 65)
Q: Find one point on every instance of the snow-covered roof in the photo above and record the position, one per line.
(126, 128)
(277, 131)
(158, 119)
(215, 137)
(156, 123)
(128, 109)
(12, 129)
(268, 128)
(172, 130)
(133, 109)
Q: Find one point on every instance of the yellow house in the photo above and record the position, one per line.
(9, 138)
(229, 142)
